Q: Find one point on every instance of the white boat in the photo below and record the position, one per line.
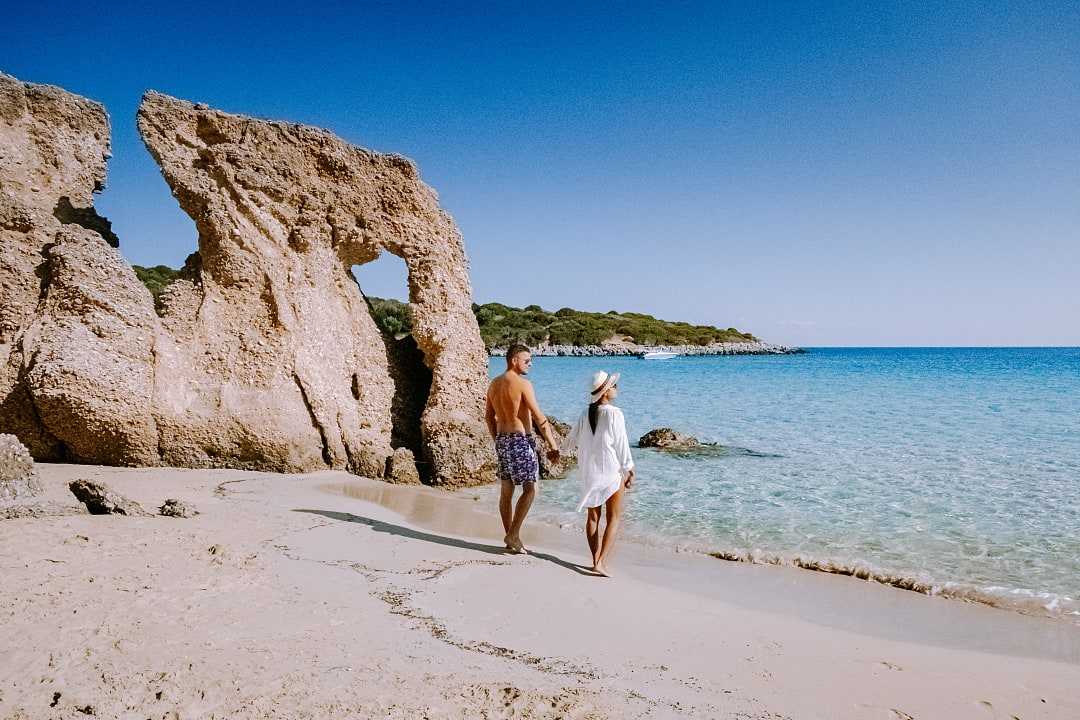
(659, 355)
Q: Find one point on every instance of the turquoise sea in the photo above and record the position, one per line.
(957, 469)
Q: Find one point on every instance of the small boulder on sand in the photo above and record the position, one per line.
(177, 508)
(100, 499)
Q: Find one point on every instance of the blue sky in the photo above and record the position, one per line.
(818, 174)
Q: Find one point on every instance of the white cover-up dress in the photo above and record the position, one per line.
(603, 457)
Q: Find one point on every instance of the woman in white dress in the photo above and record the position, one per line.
(604, 463)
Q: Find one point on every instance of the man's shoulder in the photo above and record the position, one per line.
(514, 380)
(509, 380)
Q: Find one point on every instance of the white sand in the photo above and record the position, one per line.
(317, 604)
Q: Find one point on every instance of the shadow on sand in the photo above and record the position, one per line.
(400, 531)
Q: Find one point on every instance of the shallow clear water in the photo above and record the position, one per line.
(957, 467)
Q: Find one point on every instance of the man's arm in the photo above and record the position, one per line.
(489, 416)
(539, 418)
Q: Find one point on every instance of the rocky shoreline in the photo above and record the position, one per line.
(748, 348)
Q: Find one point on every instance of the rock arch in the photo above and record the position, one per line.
(283, 212)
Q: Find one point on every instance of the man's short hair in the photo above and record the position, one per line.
(515, 350)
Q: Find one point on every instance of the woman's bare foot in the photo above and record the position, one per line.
(513, 545)
(600, 569)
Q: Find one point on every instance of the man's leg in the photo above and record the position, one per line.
(528, 492)
(506, 508)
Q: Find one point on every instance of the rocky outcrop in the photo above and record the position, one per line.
(401, 468)
(53, 148)
(668, 439)
(265, 355)
(558, 470)
(284, 212)
(16, 470)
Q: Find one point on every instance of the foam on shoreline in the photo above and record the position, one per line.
(1022, 600)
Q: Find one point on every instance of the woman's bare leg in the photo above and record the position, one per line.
(592, 531)
(611, 529)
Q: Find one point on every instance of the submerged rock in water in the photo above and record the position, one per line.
(677, 443)
(668, 439)
(100, 499)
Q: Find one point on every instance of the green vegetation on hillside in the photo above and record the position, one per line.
(155, 278)
(501, 324)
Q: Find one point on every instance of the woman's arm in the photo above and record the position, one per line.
(622, 449)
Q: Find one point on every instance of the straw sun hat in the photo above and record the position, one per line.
(601, 382)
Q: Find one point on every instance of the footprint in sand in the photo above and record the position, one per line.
(902, 715)
(891, 666)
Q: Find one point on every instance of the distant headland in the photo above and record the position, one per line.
(565, 332)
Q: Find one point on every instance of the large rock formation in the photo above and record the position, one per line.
(53, 148)
(265, 356)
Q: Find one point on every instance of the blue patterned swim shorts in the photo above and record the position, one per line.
(518, 459)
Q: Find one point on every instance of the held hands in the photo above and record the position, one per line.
(629, 479)
(553, 456)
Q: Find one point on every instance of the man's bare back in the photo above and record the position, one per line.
(507, 395)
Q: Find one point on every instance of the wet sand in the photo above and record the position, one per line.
(326, 596)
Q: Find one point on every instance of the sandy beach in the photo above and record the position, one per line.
(325, 595)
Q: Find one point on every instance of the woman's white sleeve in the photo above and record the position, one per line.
(570, 443)
(622, 446)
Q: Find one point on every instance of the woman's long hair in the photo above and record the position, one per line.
(594, 414)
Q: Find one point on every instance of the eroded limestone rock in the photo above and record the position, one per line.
(401, 468)
(265, 355)
(53, 148)
(16, 470)
(273, 323)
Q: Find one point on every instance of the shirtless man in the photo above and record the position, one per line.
(511, 409)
